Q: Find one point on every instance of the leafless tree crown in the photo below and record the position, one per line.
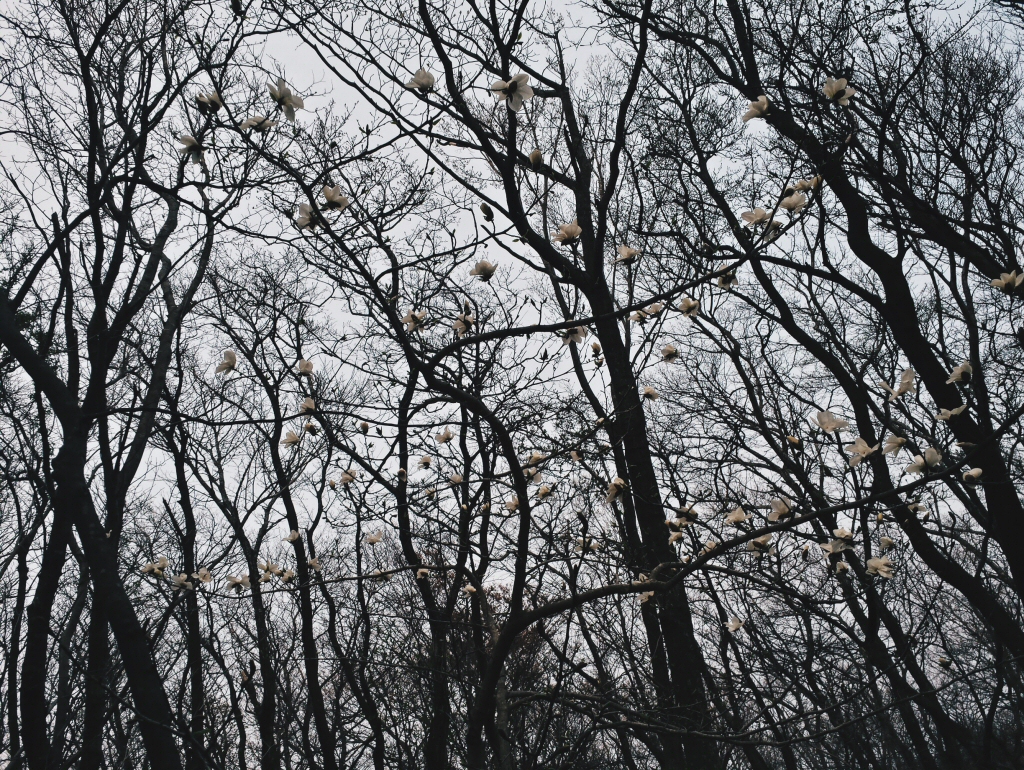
(436, 384)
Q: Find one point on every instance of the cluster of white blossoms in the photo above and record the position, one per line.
(859, 450)
(182, 581)
(794, 197)
(211, 103)
(287, 102)
(515, 92)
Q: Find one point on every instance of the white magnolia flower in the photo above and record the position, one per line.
(349, 476)
(756, 217)
(513, 503)
(685, 516)
(374, 537)
(293, 535)
(835, 546)
(536, 458)
(514, 92)
(567, 233)
(727, 279)
(843, 533)
(414, 319)
(793, 202)
(760, 544)
(756, 109)
(305, 368)
(156, 567)
(227, 363)
(880, 565)
(734, 625)
(860, 449)
(285, 99)
(680, 523)
(335, 200)
(425, 461)
(444, 436)
(270, 568)
(973, 476)
(307, 218)
(829, 423)
(536, 159)
(1008, 282)
(181, 582)
(422, 81)
(736, 515)
(191, 148)
(669, 353)
(290, 439)
(238, 583)
(918, 465)
(806, 185)
(587, 544)
(650, 394)
(709, 546)
(314, 564)
(468, 590)
(258, 123)
(463, 323)
(782, 507)
(836, 90)
(308, 405)
(921, 464)
(615, 489)
(209, 103)
(644, 313)
(627, 255)
(961, 374)
(886, 543)
(483, 270)
(946, 414)
(576, 334)
(893, 445)
(917, 507)
(906, 385)
(689, 307)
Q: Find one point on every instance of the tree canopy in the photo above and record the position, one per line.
(615, 384)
